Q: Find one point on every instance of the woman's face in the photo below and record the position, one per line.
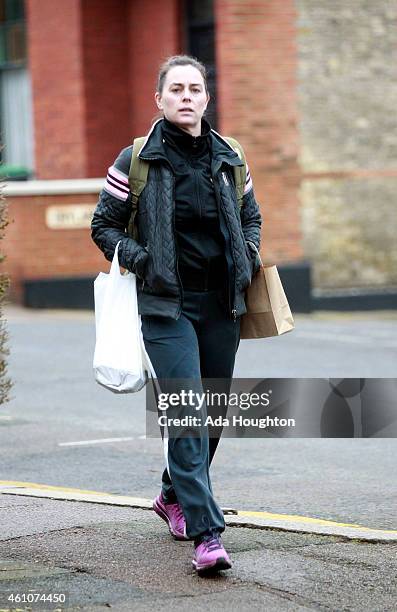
(184, 98)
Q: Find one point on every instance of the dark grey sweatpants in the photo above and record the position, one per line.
(201, 344)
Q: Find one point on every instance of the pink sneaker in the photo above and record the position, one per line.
(172, 514)
(210, 555)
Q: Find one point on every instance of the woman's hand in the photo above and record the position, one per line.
(141, 262)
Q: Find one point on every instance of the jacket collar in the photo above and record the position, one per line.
(193, 145)
(153, 146)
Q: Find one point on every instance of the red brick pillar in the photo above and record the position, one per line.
(56, 67)
(154, 31)
(106, 45)
(257, 103)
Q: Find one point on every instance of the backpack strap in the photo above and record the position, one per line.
(240, 172)
(137, 179)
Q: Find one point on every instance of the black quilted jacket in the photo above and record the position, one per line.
(154, 257)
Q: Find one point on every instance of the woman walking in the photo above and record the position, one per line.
(193, 261)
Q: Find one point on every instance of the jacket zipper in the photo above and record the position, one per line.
(231, 300)
(197, 188)
(234, 311)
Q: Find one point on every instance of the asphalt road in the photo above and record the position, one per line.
(57, 427)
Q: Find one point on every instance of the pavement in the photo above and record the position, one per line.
(107, 551)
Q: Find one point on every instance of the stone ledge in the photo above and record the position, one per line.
(53, 187)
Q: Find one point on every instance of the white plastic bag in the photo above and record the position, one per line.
(120, 359)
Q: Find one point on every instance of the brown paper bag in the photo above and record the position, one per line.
(268, 312)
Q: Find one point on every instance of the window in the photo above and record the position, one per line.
(200, 43)
(15, 92)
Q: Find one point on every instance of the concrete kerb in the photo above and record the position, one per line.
(233, 518)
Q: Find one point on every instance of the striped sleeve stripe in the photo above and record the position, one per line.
(117, 174)
(117, 183)
(248, 182)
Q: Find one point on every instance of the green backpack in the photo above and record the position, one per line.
(139, 169)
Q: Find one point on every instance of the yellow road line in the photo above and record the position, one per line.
(33, 485)
(308, 519)
(241, 513)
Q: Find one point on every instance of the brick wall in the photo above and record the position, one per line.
(106, 82)
(256, 72)
(34, 251)
(154, 34)
(94, 65)
(55, 62)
